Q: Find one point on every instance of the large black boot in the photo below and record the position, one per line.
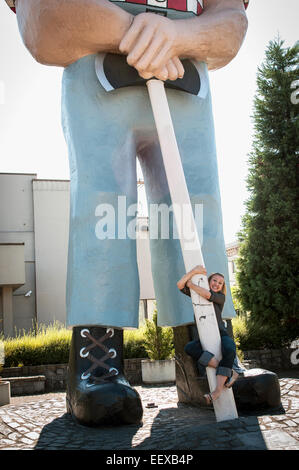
(97, 391)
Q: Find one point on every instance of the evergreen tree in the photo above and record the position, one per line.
(158, 341)
(269, 249)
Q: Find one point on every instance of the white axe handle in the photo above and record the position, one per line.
(204, 312)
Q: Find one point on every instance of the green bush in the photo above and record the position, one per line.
(251, 334)
(51, 345)
(48, 345)
(134, 345)
(239, 329)
(158, 341)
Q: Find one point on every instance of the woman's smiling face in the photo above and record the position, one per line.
(216, 283)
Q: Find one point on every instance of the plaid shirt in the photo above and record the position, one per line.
(195, 6)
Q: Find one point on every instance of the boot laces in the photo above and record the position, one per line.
(109, 353)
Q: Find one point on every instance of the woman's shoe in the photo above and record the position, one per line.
(232, 380)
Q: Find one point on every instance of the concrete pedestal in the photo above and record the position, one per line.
(4, 393)
(154, 372)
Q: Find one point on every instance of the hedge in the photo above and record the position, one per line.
(51, 345)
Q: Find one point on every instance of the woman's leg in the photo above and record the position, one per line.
(223, 367)
(203, 358)
(228, 349)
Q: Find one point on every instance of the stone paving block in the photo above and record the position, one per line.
(22, 429)
(278, 439)
(266, 419)
(26, 441)
(13, 435)
(279, 418)
(8, 441)
(14, 424)
(235, 442)
(4, 430)
(290, 423)
(253, 441)
(252, 428)
(32, 435)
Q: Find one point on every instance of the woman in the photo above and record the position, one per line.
(226, 376)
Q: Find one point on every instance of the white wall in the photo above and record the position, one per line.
(12, 268)
(16, 208)
(51, 220)
(17, 226)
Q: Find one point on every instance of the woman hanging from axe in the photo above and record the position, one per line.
(226, 376)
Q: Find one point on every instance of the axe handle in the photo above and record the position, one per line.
(224, 406)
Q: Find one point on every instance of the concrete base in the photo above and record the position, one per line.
(4, 393)
(27, 385)
(158, 372)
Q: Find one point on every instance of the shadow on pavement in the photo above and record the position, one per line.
(64, 433)
(182, 428)
(288, 374)
(239, 434)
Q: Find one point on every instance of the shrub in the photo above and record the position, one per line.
(51, 345)
(48, 345)
(158, 341)
(239, 329)
(251, 334)
(134, 345)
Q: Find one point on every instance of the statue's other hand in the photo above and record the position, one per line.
(171, 71)
(199, 269)
(150, 43)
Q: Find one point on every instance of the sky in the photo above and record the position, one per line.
(31, 139)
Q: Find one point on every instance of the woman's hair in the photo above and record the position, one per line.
(223, 290)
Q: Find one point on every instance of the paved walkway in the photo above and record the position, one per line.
(41, 422)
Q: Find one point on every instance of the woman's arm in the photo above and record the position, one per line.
(196, 270)
(59, 32)
(215, 297)
(206, 294)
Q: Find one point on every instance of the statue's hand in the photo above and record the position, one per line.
(151, 45)
(171, 71)
(199, 269)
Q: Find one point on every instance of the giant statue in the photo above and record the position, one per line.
(108, 50)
